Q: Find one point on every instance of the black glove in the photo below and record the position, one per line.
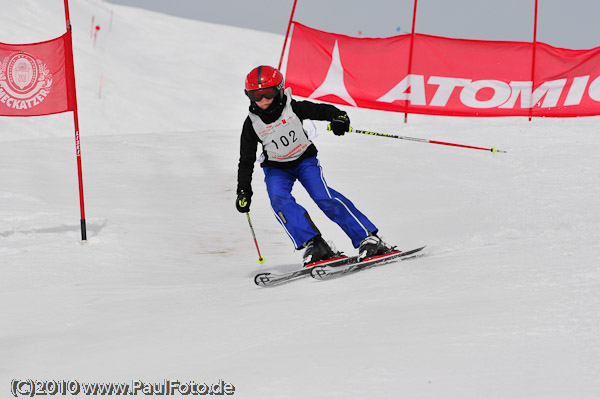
(244, 198)
(340, 124)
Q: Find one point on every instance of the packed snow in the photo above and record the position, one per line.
(506, 303)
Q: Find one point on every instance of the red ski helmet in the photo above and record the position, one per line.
(264, 81)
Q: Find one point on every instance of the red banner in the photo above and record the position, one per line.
(37, 79)
(447, 77)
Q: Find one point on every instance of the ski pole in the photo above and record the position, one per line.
(260, 260)
(393, 136)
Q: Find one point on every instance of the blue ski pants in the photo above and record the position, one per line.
(294, 218)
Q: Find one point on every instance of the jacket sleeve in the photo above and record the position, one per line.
(315, 111)
(248, 143)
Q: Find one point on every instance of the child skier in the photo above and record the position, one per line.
(275, 121)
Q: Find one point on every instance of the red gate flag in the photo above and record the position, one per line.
(452, 77)
(37, 79)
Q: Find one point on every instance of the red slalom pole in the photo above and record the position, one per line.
(287, 34)
(410, 53)
(393, 136)
(73, 94)
(260, 260)
(534, 49)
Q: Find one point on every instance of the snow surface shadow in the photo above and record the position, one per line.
(278, 269)
(94, 228)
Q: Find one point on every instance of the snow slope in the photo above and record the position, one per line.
(505, 305)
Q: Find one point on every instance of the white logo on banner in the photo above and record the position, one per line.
(24, 81)
(504, 95)
(334, 81)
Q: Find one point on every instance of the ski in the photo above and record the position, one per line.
(324, 272)
(271, 279)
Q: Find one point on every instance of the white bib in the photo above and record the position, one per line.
(285, 139)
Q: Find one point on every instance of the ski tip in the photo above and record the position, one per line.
(262, 279)
(318, 273)
(394, 253)
(420, 249)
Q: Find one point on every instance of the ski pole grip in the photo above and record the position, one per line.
(329, 128)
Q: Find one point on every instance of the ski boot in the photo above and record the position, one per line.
(316, 250)
(372, 246)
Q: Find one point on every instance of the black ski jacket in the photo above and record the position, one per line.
(249, 139)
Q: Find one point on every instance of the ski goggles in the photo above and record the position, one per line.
(257, 95)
